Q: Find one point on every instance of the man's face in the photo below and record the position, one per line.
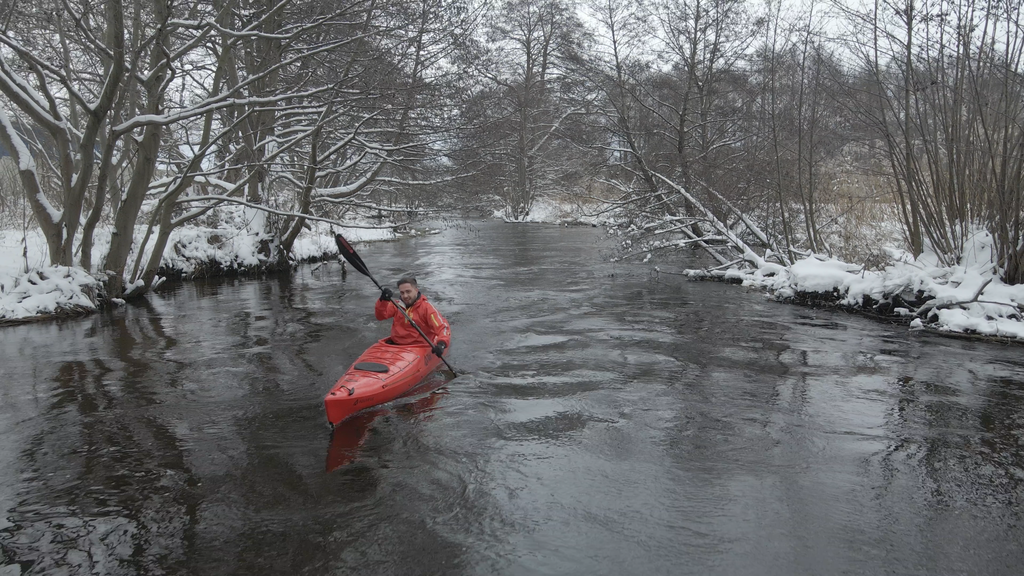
(408, 293)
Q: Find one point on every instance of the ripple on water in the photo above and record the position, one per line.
(541, 384)
(559, 426)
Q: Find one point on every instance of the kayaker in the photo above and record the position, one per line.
(420, 310)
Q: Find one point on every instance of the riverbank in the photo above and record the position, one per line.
(966, 299)
(32, 290)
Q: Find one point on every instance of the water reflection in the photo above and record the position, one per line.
(964, 440)
(106, 489)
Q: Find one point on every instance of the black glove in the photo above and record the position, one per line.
(439, 348)
(386, 294)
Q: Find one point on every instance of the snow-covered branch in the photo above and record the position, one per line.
(217, 200)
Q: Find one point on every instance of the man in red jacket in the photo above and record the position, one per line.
(422, 313)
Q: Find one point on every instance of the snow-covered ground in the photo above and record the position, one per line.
(546, 210)
(968, 297)
(30, 287)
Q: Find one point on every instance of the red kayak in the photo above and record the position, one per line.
(381, 374)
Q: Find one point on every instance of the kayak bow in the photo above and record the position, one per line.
(382, 373)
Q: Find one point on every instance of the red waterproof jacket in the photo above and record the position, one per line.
(423, 314)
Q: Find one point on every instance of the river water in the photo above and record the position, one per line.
(611, 422)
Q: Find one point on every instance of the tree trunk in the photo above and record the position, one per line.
(147, 153)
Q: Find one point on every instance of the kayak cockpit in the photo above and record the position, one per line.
(371, 367)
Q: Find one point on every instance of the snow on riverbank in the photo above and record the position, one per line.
(966, 298)
(48, 290)
(29, 287)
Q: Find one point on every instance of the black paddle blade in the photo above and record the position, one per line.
(349, 253)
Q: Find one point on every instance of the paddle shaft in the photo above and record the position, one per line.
(349, 253)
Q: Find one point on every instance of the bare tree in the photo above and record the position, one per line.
(704, 41)
(946, 102)
(801, 121)
(68, 107)
(277, 106)
(533, 97)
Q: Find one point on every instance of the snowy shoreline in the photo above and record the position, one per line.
(967, 299)
(44, 292)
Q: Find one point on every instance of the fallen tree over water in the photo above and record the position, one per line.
(967, 297)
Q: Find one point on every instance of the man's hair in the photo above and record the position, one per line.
(408, 280)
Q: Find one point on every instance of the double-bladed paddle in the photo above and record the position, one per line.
(349, 253)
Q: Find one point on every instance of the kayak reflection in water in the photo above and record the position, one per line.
(422, 312)
(348, 437)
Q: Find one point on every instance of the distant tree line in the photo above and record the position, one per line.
(753, 130)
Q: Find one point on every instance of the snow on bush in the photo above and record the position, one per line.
(49, 290)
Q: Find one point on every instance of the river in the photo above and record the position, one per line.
(610, 422)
